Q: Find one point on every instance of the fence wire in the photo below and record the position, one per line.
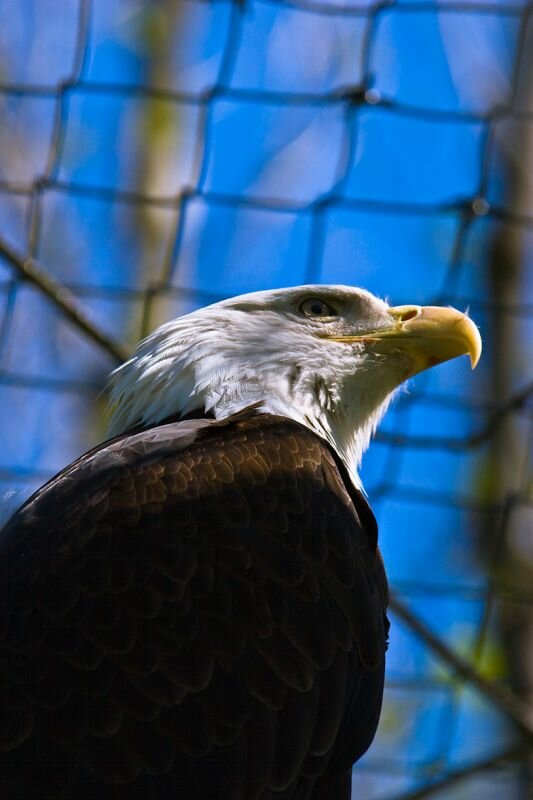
(64, 324)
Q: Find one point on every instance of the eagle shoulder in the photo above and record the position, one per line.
(199, 593)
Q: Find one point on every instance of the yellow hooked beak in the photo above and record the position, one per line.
(427, 335)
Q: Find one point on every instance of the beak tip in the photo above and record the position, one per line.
(475, 344)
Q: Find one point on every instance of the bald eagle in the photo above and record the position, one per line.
(196, 608)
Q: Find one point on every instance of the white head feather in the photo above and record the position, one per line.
(262, 349)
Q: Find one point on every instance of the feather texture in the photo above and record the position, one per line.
(196, 610)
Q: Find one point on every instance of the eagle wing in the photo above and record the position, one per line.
(193, 611)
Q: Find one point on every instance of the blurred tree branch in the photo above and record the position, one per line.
(29, 270)
(501, 696)
(457, 776)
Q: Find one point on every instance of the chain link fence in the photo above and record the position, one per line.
(157, 156)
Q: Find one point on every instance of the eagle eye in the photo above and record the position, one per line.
(315, 307)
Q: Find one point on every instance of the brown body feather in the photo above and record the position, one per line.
(192, 611)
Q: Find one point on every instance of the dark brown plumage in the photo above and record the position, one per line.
(193, 611)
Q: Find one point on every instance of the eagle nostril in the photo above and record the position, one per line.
(405, 313)
(409, 314)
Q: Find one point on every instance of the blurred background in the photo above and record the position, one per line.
(158, 156)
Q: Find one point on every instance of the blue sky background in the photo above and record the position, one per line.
(158, 156)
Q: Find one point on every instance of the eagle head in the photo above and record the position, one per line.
(329, 357)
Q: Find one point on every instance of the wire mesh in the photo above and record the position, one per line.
(114, 166)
